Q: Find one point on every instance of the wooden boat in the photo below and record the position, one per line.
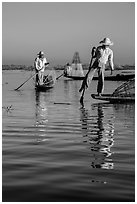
(118, 77)
(74, 77)
(75, 70)
(123, 94)
(114, 99)
(48, 83)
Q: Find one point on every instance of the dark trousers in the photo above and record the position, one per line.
(100, 67)
(37, 77)
(100, 86)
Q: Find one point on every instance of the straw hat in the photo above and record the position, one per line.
(40, 53)
(106, 41)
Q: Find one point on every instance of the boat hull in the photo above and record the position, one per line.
(48, 84)
(74, 77)
(118, 77)
(114, 99)
(43, 88)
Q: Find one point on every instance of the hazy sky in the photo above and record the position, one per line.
(61, 28)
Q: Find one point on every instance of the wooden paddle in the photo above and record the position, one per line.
(59, 76)
(83, 86)
(29, 78)
(25, 81)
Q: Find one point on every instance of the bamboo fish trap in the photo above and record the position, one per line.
(123, 94)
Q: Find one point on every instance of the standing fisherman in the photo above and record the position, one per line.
(102, 55)
(40, 63)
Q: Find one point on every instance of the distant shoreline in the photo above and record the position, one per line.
(60, 67)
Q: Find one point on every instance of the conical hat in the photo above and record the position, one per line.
(106, 41)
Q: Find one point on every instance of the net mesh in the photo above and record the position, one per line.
(50, 77)
(77, 69)
(76, 58)
(126, 89)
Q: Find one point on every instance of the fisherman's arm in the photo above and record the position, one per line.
(45, 62)
(111, 64)
(36, 64)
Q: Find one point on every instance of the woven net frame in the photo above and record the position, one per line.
(126, 89)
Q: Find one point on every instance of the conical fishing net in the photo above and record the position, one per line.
(126, 89)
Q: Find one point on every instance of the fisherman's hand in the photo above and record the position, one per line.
(38, 68)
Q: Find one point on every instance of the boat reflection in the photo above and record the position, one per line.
(98, 130)
(71, 91)
(67, 88)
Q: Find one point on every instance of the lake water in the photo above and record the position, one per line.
(55, 150)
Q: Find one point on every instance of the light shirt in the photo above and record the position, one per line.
(40, 64)
(104, 56)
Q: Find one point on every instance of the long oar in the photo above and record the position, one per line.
(25, 81)
(59, 76)
(83, 86)
(29, 78)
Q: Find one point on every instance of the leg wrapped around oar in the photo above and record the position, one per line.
(85, 84)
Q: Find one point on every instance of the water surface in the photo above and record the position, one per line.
(56, 150)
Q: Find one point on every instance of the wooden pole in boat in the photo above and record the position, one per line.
(29, 78)
(59, 76)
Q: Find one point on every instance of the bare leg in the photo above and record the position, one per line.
(100, 86)
(83, 86)
(90, 77)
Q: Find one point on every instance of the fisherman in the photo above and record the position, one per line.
(102, 54)
(67, 70)
(40, 64)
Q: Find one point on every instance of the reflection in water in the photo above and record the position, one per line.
(66, 87)
(125, 111)
(41, 116)
(71, 88)
(99, 131)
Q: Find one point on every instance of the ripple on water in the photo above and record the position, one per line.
(59, 152)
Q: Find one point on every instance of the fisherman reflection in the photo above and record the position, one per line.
(99, 135)
(66, 87)
(41, 116)
(71, 91)
(41, 108)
